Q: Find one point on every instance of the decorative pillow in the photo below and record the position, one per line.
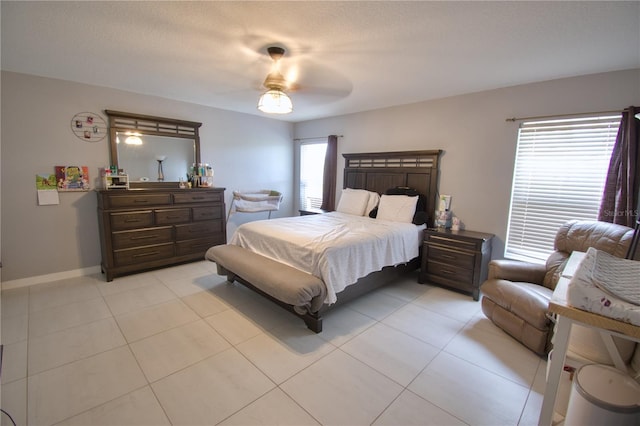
(420, 217)
(353, 201)
(397, 208)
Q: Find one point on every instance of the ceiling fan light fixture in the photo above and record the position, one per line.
(275, 101)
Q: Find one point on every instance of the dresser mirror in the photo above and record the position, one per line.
(155, 152)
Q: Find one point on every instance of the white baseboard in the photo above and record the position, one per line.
(25, 282)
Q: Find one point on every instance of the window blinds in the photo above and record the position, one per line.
(559, 175)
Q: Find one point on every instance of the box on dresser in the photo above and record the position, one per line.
(456, 259)
(142, 229)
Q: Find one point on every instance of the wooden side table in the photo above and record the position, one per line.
(456, 259)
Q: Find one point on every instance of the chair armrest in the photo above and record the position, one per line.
(514, 270)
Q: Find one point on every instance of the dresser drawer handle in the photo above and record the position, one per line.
(131, 220)
(147, 237)
(151, 253)
(446, 271)
(197, 198)
(447, 256)
(140, 201)
(174, 217)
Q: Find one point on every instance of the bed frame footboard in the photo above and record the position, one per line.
(298, 292)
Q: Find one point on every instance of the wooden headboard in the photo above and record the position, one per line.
(379, 171)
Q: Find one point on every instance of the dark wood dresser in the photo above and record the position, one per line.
(142, 229)
(456, 259)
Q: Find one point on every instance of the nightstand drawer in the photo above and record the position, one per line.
(455, 258)
(450, 272)
(459, 243)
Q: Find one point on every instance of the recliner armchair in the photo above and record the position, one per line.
(516, 294)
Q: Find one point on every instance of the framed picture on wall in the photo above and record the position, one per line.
(72, 178)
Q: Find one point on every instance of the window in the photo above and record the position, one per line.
(311, 174)
(559, 175)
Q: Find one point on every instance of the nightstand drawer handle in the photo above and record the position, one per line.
(447, 256)
(447, 271)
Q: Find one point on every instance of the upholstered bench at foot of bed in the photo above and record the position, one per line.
(290, 286)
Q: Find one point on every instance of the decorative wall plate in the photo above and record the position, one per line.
(89, 126)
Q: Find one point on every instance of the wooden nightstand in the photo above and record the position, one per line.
(456, 259)
(305, 212)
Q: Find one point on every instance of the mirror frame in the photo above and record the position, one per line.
(151, 125)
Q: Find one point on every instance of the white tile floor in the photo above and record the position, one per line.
(182, 346)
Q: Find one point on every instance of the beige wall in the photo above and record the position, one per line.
(478, 144)
(250, 152)
(246, 151)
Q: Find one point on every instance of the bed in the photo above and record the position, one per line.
(320, 265)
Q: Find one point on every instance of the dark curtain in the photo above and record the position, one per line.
(620, 197)
(329, 177)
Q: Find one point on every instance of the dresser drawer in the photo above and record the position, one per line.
(197, 197)
(198, 230)
(132, 220)
(143, 254)
(139, 200)
(170, 216)
(456, 258)
(143, 237)
(207, 213)
(200, 245)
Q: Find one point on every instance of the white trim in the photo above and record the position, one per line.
(39, 279)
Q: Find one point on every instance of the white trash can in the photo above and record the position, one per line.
(603, 395)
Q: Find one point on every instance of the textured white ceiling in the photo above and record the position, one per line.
(348, 56)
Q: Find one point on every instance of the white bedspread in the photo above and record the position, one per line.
(336, 247)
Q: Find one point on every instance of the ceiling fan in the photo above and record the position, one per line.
(275, 100)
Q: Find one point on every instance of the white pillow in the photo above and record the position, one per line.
(397, 208)
(353, 201)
